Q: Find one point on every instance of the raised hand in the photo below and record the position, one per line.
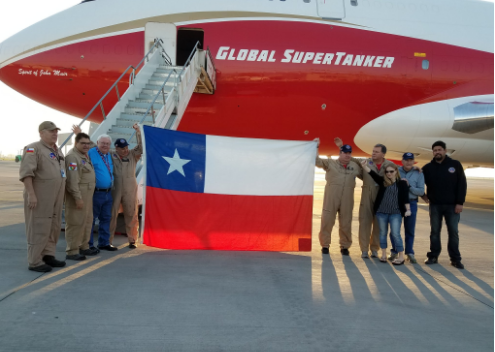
(76, 129)
(338, 142)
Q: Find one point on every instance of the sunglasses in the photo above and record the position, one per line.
(389, 172)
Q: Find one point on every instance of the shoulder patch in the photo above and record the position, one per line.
(73, 167)
(30, 151)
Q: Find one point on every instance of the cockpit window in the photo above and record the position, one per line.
(86, 1)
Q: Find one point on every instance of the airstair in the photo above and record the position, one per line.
(158, 94)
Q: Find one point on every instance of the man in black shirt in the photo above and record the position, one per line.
(446, 192)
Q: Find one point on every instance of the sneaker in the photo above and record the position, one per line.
(431, 260)
(364, 255)
(374, 254)
(324, 250)
(457, 265)
(411, 258)
(89, 252)
(344, 251)
(43, 268)
(392, 256)
(75, 257)
(132, 245)
(54, 263)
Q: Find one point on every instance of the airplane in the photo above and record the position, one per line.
(403, 73)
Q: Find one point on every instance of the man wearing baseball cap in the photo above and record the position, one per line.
(338, 198)
(369, 231)
(125, 186)
(416, 182)
(43, 173)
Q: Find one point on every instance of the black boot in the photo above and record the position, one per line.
(50, 260)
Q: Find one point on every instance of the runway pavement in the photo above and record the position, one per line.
(157, 300)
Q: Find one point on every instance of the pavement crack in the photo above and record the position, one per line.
(21, 287)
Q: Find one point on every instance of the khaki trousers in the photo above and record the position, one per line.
(343, 207)
(369, 232)
(127, 196)
(43, 223)
(79, 222)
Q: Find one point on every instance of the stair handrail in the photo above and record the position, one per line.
(131, 81)
(162, 87)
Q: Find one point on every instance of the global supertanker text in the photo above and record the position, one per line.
(298, 57)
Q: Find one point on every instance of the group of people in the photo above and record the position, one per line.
(93, 181)
(389, 197)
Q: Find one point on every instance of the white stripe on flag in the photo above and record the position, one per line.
(246, 166)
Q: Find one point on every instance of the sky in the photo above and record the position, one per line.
(15, 107)
(15, 16)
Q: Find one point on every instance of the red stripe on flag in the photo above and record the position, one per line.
(182, 220)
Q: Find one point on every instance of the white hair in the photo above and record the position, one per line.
(104, 136)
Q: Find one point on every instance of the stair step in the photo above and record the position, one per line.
(158, 86)
(116, 135)
(139, 111)
(153, 92)
(165, 67)
(159, 82)
(162, 76)
(121, 130)
(135, 118)
(129, 123)
(145, 105)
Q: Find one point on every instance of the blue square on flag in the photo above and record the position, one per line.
(178, 160)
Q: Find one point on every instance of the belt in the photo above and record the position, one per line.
(414, 200)
(103, 190)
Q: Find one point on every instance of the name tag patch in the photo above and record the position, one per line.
(53, 156)
(451, 170)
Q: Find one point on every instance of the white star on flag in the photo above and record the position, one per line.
(176, 163)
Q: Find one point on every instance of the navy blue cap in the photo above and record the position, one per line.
(346, 148)
(408, 156)
(121, 143)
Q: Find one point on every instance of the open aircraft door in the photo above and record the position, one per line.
(166, 32)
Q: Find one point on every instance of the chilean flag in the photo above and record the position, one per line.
(224, 193)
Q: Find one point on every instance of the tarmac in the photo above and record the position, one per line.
(149, 299)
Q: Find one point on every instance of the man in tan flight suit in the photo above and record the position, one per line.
(338, 198)
(367, 219)
(43, 173)
(125, 186)
(81, 182)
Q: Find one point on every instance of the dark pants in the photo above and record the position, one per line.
(409, 229)
(102, 209)
(437, 212)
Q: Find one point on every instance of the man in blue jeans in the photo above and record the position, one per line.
(446, 188)
(102, 197)
(416, 182)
